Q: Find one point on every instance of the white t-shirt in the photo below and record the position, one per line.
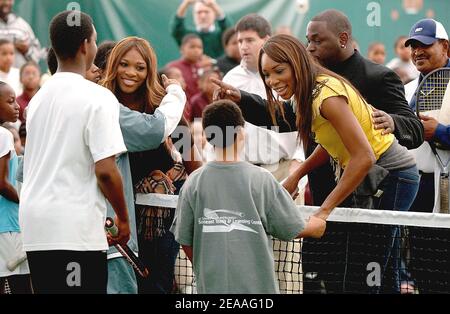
(12, 78)
(246, 80)
(72, 123)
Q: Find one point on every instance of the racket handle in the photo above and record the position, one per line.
(443, 193)
(111, 227)
(125, 250)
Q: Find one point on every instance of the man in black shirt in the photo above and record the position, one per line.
(329, 37)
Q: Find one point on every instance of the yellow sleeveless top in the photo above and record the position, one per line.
(323, 130)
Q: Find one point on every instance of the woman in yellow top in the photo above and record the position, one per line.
(322, 103)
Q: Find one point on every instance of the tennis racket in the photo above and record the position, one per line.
(429, 97)
(125, 250)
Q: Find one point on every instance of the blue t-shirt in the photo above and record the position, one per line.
(9, 211)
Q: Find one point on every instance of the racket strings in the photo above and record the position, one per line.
(429, 100)
(432, 91)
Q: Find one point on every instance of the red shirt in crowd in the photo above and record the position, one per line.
(23, 101)
(190, 75)
(197, 105)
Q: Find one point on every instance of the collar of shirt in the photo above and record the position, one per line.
(10, 18)
(244, 67)
(341, 67)
(211, 29)
(25, 97)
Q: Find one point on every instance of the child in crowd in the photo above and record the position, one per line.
(8, 73)
(30, 76)
(376, 53)
(206, 149)
(402, 64)
(228, 209)
(191, 55)
(231, 57)
(103, 51)
(93, 74)
(205, 97)
(10, 236)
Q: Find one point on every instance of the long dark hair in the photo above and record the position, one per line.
(152, 90)
(288, 49)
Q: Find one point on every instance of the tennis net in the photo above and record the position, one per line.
(362, 251)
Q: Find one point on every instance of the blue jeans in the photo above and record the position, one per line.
(121, 277)
(399, 191)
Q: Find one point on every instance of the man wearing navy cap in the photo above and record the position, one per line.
(429, 46)
(429, 51)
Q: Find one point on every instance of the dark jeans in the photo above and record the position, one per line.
(400, 188)
(159, 255)
(68, 272)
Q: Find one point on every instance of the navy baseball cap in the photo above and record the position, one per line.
(427, 31)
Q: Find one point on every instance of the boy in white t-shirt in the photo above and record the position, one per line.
(73, 137)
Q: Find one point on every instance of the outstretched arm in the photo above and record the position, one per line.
(254, 108)
(318, 158)
(220, 15)
(337, 111)
(182, 8)
(142, 131)
(315, 228)
(177, 26)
